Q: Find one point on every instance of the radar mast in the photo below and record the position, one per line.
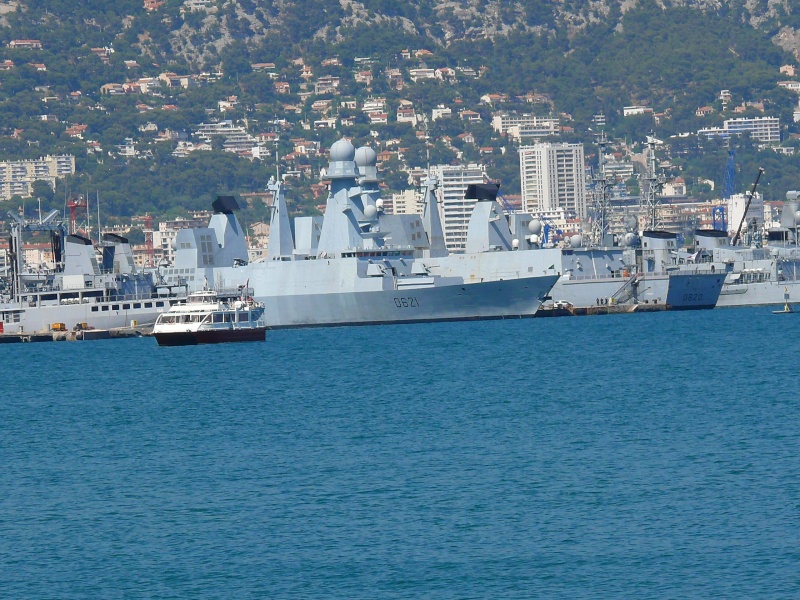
(652, 183)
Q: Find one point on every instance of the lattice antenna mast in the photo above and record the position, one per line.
(652, 185)
(729, 179)
(601, 184)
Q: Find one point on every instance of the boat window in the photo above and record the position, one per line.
(207, 319)
(105, 307)
(115, 307)
(218, 318)
(94, 309)
(243, 317)
(229, 317)
(126, 307)
(158, 304)
(148, 305)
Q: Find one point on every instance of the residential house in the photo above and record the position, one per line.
(467, 138)
(282, 87)
(321, 106)
(112, 89)
(395, 78)
(326, 85)
(77, 131)
(493, 99)
(441, 112)
(421, 74)
(629, 111)
(469, 115)
(26, 44)
(704, 111)
(378, 118)
(406, 115)
(364, 77)
(446, 74)
(228, 103)
(374, 104)
(174, 81)
(792, 86)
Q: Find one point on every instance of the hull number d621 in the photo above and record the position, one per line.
(408, 302)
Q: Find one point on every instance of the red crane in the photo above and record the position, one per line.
(73, 205)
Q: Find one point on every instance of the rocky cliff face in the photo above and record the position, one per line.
(212, 27)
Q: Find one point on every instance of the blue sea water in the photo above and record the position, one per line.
(638, 456)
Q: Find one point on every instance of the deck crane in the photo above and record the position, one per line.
(747, 206)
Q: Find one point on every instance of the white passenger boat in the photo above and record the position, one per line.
(211, 317)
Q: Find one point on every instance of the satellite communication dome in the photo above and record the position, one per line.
(379, 203)
(342, 151)
(576, 240)
(631, 222)
(535, 226)
(515, 243)
(797, 217)
(370, 211)
(630, 239)
(366, 157)
(534, 239)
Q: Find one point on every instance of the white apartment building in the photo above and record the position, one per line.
(763, 129)
(521, 126)
(17, 176)
(553, 176)
(407, 202)
(454, 210)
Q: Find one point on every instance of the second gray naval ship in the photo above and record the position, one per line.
(358, 265)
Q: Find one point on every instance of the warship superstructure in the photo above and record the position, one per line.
(358, 265)
(77, 289)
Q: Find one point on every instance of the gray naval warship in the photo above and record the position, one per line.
(77, 289)
(764, 269)
(635, 271)
(358, 265)
(639, 268)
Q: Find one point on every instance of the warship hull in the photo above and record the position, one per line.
(318, 293)
(680, 291)
(767, 293)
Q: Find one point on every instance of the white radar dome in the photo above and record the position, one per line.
(535, 226)
(366, 157)
(630, 239)
(379, 203)
(797, 217)
(515, 243)
(576, 240)
(534, 239)
(342, 151)
(370, 211)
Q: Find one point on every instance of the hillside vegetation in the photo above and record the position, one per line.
(582, 58)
